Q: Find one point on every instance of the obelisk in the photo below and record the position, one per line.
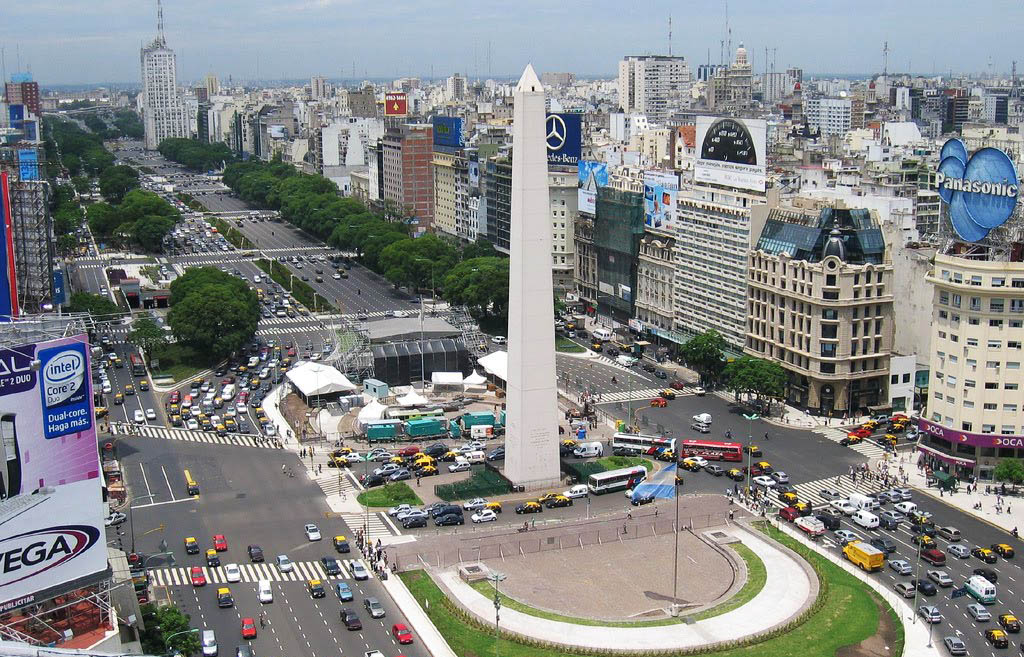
(531, 442)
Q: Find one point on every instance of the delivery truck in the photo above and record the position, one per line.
(864, 555)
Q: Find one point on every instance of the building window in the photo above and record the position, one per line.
(995, 344)
(992, 364)
(991, 385)
(956, 300)
(968, 403)
(827, 368)
(995, 323)
(829, 313)
(1010, 408)
(828, 350)
(894, 379)
(996, 305)
(972, 342)
(1013, 365)
(989, 407)
(975, 303)
(998, 282)
(944, 298)
(964, 426)
(988, 428)
(970, 383)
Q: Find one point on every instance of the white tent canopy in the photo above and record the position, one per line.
(372, 411)
(313, 379)
(412, 399)
(475, 379)
(446, 378)
(495, 364)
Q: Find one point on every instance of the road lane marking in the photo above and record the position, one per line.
(168, 482)
(149, 492)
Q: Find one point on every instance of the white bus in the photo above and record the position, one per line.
(604, 482)
(638, 443)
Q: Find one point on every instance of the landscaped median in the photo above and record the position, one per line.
(845, 612)
(389, 495)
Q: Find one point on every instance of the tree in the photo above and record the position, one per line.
(147, 335)
(99, 306)
(161, 624)
(81, 184)
(705, 353)
(149, 231)
(194, 154)
(66, 244)
(480, 284)
(1011, 470)
(214, 321)
(755, 376)
(103, 218)
(417, 263)
(196, 278)
(116, 181)
(479, 249)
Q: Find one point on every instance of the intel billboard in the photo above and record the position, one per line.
(981, 191)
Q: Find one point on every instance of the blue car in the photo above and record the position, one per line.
(343, 591)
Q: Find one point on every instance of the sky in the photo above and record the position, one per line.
(95, 41)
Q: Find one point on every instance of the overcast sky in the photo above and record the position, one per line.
(88, 41)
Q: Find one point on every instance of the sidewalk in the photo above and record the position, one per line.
(785, 593)
(417, 617)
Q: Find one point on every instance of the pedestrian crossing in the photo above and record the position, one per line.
(638, 395)
(868, 449)
(340, 482)
(377, 524)
(189, 435)
(303, 571)
(810, 492)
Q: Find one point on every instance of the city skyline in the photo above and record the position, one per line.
(70, 43)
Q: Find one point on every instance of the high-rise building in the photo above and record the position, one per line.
(451, 191)
(655, 85)
(31, 224)
(563, 186)
(731, 88)
(163, 112)
(408, 151)
(212, 85)
(318, 89)
(22, 90)
(820, 304)
(830, 116)
(455, 88)
(557, 79)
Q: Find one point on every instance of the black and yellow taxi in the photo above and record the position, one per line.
(765, 467)
(224, 597)
(569, 442)
(924, 540)
(735, 474)
(254, 383)
(230, 424)
(101, 411)
(787, 498)
(129, 389)
(870, 425)
(558, 501)
(176, 421)
(118, 363)
(344, 451)
(205, 424)
(422, 462)
(222, 430)
(191, 545)
(450, 456)
(144, 385)
(691, 465)
(997, 638)
(668, 393)
(341, 544)
(397, 460)
(337, 461)
(173, 409)
(315, 588)
(212, 558)
(753, 450)
(851, 439)
(803, 508)
(667, 455)
(545, 497)
(597, 346)
(493, 506)
(427, 471)
(1010, 623)
(1003, 550)
(889, 438)
(985, 554)
(119, 398)
(529, 507)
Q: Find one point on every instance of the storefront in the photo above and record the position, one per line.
(964, 454)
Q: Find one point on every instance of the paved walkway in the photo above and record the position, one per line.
(785, 593)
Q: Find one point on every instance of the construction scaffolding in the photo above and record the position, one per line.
(351, 354)
(32, 225)
(472, 337)
(38, 328)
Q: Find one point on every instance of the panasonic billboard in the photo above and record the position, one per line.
(980, 191)
(51, 500)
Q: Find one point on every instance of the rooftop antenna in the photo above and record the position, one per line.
(728, 31)
(160, 22)
(1013, 79)
(489, 74)
(885, 60)
(670, 35)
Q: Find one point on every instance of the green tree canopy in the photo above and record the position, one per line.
(116, 181)
(755, 376)
(195, 278)
(214, 321)
(101, 307)
(149, 231)
(1009, 470)
(705, 353)
(103, 218)
(480, 284)
(163, 623)
(194, 154)
(418, 262)
(147, 335)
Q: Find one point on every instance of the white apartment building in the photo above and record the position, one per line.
(655, 273)
(564, 204)
(655, 85)
(318, 88)
(163, 112)
(711, 260)
(975, 411)
(451, 193)
(832, 116)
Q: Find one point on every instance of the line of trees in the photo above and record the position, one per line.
(194, 154)
(141, 218)
(79, 151)
(755, 377)
(212, 312)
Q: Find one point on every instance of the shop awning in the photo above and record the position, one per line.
(946, 457)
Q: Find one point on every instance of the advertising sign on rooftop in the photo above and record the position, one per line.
(564, 138)
(51, 509)
(448, 132)
(591, 176)
(732, 152)
(981, 191)
(396, 103)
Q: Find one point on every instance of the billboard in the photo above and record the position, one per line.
(564, 138)
(448, 132)
(731, 152)
(591, 176)
(660, 191)
(396, 103)
(52, 510)
(28, 164)
(981, 191)
(8, 274)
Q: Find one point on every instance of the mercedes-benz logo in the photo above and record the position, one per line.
(556, 132)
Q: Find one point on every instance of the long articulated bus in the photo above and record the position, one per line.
(712, 450)
(621, 479)
(638, 443)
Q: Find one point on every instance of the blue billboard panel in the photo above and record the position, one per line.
(981, 191)
(17, 114)
(28, 164)
(448, 132)
(60, 292)
(67, 404)
(564, 138)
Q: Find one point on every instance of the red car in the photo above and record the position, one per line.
(677, 385)
(198, 578)
(402, 633)
(248, 628)
(175, 397)
(409, 450)
(220, 544)
(659, 402)
(860, 433)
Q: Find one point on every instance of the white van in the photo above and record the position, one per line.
(981, 589)
(228, 393)
(476, 457)
(865, 519)
(602, 334)
(265, 592)
(587, 450)
(625, 361)
(579, 490)
(863, 502)
(702, 418)
(481, 431)
(209, 642)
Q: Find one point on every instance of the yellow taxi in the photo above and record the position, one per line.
(569, 442)
(176, 421)
(338, 462)
(924, 540)
(224, 598)
(789, 499)
(753, 450)
(341, 544)
(222, 430)
(212, 558)
(667, 455)
(668, 393)
(144, 385)
(118, 399)
(230, 424)
(129, 389)
(101, 411)
(803, 508)
(735, 474)
(343, 451)
(493, 506)
(191, 545)
(997, 638)
(174, 409)
(398, 460)
(870, 425)
(254, 383)
(546, 496)
(316, 588)
(890, 438)
(1010, 623)
(423, 462)
(427, 471)
(529, 507)
(1003, 550)
(765, 466)
(450, 456)
(691, 465)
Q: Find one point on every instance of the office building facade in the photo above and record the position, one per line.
(654, 85)
(163, 112)
(408, 177)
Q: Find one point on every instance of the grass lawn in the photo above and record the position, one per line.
(616, 462)
(846, 615)
(389, 495)
(567, 346)
(179, 363)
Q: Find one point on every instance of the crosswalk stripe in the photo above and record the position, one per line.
(810, 491)
(233, 439)
(868, 449)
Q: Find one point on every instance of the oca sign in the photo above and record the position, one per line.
(981, 191)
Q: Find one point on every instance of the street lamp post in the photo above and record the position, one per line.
(675, 527)
(494, 578)
(131, 516)
(167, 640)
(750, 441)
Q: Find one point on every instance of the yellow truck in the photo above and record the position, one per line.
(868, 557)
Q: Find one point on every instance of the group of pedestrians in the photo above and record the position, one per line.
(375, 554)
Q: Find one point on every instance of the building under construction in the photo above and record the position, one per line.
(31, 223)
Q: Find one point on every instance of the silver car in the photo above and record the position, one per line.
(959, 551)
(929, 613)
(978, 612)
(955, 646)
(284, 563)
(901, 566)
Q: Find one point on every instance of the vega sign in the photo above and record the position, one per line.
(981, 191)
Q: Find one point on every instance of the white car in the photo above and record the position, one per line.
(830, 493)
(359, 571)
(764, 481)
(845, 506)
(140, 417)
(233, 572)
(906, 507)
(485, 515)
(700, 461)
(399, 313)
(192, 424)
(150, 414)
(471, 446)
(285, 564)
(499, 339)
(313, 532)
(387, 469)
(401, 508)
(461, 466)
(475, 504)
(336, 276)
(699, 391)
(905, 493)
(115, 518)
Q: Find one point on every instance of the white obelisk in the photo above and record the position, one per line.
(531, 443)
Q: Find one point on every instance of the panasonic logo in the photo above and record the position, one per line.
(32, 553)
(975, 186)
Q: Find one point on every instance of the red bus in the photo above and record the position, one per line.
(138, 367)
(712, 450)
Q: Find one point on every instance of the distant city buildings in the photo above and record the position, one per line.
(653, 85)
